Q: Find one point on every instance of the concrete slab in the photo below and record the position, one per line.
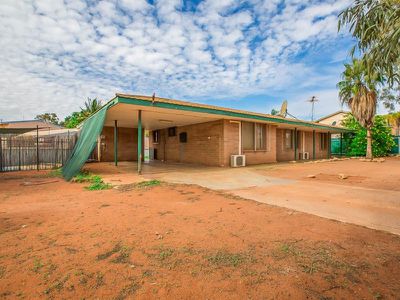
(224, 179)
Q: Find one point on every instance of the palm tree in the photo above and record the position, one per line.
(91, 106)
(358, 91)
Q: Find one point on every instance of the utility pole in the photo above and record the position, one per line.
(312, 100)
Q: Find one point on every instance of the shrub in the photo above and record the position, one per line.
(382, 141)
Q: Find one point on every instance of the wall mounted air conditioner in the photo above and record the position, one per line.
(306, 155)
(238, 161)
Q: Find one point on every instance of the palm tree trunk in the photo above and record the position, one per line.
(369, 144)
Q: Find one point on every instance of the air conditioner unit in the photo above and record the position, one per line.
(238, 161)
(306, 155)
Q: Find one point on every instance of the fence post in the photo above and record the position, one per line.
(37, 147)
(62, 152)
(19, 155)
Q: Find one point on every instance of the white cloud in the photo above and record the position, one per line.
(54, 54)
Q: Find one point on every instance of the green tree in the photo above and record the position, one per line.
(383, 140)
(390, 98)
(48, 117)
(274, 112)
(73, 120)
(358, 91)
(89, 108)
(376, 26)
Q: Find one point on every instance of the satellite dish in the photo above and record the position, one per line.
(283, 111)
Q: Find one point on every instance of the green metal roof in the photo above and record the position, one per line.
(201, 108)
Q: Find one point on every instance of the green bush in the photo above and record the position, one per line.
(83, 176)
(382, 140)
(97, 183)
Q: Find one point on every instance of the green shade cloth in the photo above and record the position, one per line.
(86, 142)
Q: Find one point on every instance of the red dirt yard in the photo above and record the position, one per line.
(59, 240)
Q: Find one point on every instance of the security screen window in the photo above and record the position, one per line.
(247, 136)
(253, 136)
(288, 139)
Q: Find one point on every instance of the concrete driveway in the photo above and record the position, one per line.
(354, 201)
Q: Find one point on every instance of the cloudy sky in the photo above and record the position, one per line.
(242, 54)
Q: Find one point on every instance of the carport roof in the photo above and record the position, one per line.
(216, 111)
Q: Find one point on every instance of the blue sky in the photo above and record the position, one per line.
(250, 54)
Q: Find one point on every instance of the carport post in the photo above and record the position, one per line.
(116, 143)
(295, 144)
(139, 144)
(313, 144)
(341, 144)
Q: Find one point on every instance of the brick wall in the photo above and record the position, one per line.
(284, 154)
(210, 143)
(230, 141)
(319, 153)
(231, 145)
(203, 146)
(127, 144)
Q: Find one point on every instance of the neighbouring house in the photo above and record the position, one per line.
(334, 119)
(186, 132)
(26, 126)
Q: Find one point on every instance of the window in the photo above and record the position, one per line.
(183, 137)
(247, 136)
(253, 136)
(323, 141)
(260, 137)
(156, 136)
(172, 131)
(288, 139)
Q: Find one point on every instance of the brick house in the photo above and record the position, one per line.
(185, 132)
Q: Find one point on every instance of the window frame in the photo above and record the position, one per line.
(171, 131)
(286, 139)
(183, 137)
(255, 135)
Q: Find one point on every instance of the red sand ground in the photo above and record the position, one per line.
(373, 175)
(58, 240)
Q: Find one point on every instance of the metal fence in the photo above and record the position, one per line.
(34, 152)
(342, 147)
(396, 147)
